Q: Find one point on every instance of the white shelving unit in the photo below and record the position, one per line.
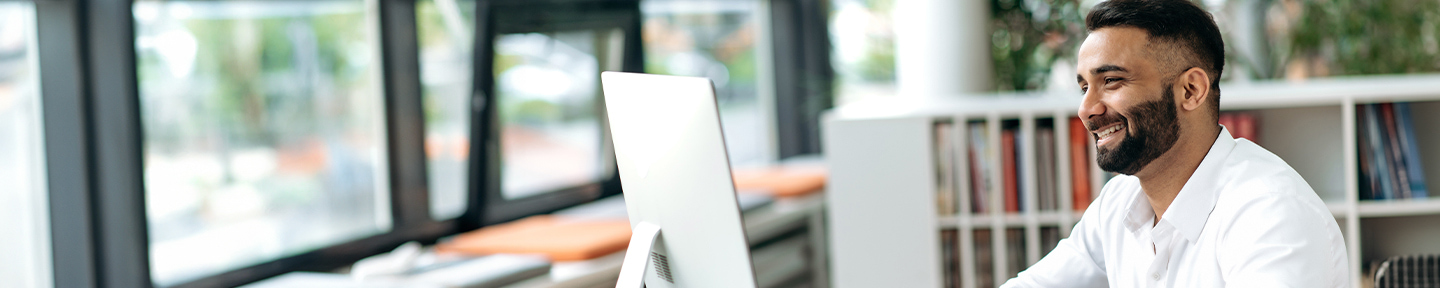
(881, 200)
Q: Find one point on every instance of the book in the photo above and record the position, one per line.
(1241, 125)
(1045, 168)
(1079, 164)
(1014, 253)
(1389, 157)
(984, 262)
(1377, 154)
(1008, 169)
(1049, 239)
(1019, 167)
(979, 183)
(1369, 185)
(1406, 126)
(945, 170)
(1392, 151)
(949, 244)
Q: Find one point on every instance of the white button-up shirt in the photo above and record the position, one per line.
(1244, 219)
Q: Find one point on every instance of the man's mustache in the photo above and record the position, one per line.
(1101, 121)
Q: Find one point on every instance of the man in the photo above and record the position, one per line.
(1195, 207)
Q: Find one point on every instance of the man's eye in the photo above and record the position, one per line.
(1084, 90)
(1112, 80)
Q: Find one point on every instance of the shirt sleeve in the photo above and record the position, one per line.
(1077, 261)
(1281, 241)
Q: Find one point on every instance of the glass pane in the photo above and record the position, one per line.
(863, 50)
(716, 40)
(25, 246)
(445, 29)
(264, 131)
(547, 86)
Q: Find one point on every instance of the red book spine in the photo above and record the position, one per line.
(1079, 164)
(1007, 151)
(1252, 129)
(1241, 125)
(1227, 120)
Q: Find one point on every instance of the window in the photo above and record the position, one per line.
(445, 28)
(546, 145)
(720, 40)
(23, 200)
(264, 132)
(547, 87)
(864, 49)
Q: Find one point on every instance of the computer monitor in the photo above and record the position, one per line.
(678, 190)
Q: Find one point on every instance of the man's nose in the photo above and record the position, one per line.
(1091, 106)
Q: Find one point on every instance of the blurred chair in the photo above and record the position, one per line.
(1409, 271)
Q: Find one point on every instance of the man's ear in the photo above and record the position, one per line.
(1194, 85)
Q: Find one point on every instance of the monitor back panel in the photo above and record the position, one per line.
(675, 174)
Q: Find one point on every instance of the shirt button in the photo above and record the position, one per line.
(1156, 276)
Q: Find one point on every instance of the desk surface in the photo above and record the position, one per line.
(761, 224)
(765, 227)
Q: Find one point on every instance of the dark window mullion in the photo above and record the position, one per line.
(817, 72)
(399, 50)
(482, 59)
(122, 242)
(802, 74)
(786, 42)
(67, 153)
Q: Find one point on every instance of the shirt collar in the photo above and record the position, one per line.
(1192, 206)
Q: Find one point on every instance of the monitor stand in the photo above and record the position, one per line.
(637, 255)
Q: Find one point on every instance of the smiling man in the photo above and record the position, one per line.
(1194, 207)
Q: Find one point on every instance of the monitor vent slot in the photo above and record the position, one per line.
(662, 266)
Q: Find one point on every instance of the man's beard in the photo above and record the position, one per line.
(1156, 128)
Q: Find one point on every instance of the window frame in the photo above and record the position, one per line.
(800, 36)
(67, 152)
(489, 207)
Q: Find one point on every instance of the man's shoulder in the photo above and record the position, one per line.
(1259, 184)
(1257, 172)
(1256, 183)
(1268, 221)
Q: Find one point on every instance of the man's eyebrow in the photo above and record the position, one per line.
(1102, 69)
(1109, 68)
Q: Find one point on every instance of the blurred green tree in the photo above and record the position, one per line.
(1028, 36)
(1358, 37)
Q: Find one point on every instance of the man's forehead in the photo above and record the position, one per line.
(1125, 47)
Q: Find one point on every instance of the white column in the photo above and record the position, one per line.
(942, 47)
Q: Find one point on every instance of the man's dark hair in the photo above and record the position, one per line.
(1172, 24)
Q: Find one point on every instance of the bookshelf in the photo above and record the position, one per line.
(886, 189)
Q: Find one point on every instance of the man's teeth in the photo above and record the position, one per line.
(1106, 133)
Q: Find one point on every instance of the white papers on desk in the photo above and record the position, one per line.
(329, 280)
(483, 272)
